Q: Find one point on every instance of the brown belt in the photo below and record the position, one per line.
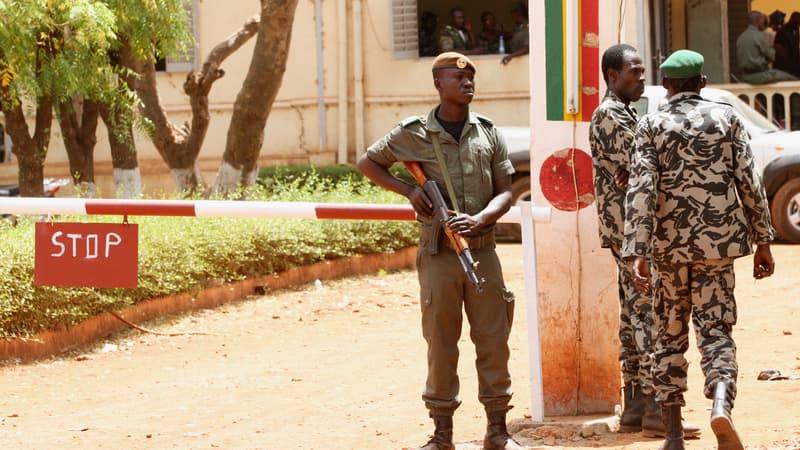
(475, 243)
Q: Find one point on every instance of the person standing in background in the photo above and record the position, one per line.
(519, 44)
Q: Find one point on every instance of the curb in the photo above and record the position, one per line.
(54, 342)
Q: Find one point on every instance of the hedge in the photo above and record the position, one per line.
(179, 255)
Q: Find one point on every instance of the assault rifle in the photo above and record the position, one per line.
(440, 216)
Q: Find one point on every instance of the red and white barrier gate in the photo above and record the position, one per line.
(524, 214)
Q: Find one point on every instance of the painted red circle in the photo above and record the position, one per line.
(557, 179)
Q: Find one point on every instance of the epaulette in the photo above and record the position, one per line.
(410, 120)
(487, 121)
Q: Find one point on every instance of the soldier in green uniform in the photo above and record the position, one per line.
(754, 54)
(695, 202)
(458, 35)
(475, 159)
(611, 136)
(519, 44)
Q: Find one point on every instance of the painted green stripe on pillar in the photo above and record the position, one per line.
(554, 58)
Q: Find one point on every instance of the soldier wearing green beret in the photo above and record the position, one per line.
(458, 147)
(694, 203)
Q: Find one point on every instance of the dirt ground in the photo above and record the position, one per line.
(340, 365)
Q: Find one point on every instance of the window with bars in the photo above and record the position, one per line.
(405, 39)
(188, 60)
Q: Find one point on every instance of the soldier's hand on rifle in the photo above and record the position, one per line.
(464, 224)
(421, 203)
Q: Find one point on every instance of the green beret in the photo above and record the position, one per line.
(453, 60)
(683, 64)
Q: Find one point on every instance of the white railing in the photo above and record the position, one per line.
(764, 98)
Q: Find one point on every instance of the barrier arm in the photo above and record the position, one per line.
(526, 215)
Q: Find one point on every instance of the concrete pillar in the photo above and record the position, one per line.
(578, 303)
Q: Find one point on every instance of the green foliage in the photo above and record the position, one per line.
(300, 176)
(154, 28)
(55, 48)
(188, 254)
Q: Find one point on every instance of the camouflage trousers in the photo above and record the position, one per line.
(703, 290)
(636, 328)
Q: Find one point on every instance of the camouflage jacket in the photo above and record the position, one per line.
(611, 137)
(451, 39)
(519, 39)
(694, 191)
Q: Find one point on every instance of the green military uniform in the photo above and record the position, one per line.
(453, 39)
(696, 202)
(489, 44)
(611, 136)
(753, 54)
(519, 39)
(473, 162)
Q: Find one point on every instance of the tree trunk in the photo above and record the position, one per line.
(254, 102)
(180, 146)
(30, 150)
(127, 178)
(80, 137)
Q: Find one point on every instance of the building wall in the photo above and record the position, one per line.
(767, 6)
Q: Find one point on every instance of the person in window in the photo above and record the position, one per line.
(491, 34)
(753, 54)
(428, 45)
(519, 44)
(775, 23)
(458, 35)
(787, 46)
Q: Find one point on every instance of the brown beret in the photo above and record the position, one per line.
(453, 60)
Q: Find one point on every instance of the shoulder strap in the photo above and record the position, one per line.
(445, 174)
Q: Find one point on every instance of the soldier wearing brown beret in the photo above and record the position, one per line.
(463, 149)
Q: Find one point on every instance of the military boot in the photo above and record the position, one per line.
(721, 422)
(633, 401)
(442, 438)
(673, 438)
(653, 422)
(497, 437)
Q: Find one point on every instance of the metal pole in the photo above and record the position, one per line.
(532, 308)
(323, 126)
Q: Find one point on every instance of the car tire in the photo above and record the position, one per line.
(785, 210)
(520, 191)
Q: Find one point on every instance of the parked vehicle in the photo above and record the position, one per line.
(51, 186)
(777, 155)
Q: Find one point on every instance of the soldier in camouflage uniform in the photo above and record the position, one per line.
(458, 35)
(611, 136)
(475, 158)
(695, 202)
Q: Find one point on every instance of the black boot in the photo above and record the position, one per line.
(673, 439)
(442, 438)
(653, 423)
(497, 437)
(721, 423)
(631, 419)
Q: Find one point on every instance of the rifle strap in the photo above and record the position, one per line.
(437, 148)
